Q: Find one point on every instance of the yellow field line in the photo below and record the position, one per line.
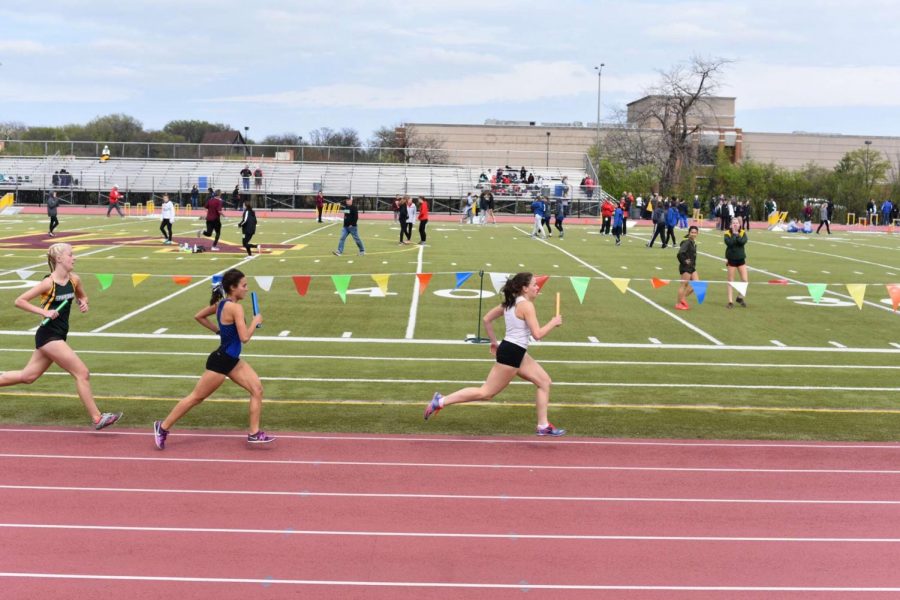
(697, 407)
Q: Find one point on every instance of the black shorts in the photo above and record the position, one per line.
(735, 263)
(221, 362)
(682, 270)
(45, 336)
(510, 354)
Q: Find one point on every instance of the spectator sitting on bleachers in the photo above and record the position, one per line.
(104, 154)
(482, 178)
(55, 179)
(523, 174)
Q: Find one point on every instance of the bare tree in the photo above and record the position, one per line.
(421, 148)
(679, 106)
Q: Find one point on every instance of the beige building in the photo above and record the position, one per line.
(564, 145)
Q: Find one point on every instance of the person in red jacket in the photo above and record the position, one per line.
(213, 219)
(320, 204)
(423, 219)
(606, 211)
(114, 197)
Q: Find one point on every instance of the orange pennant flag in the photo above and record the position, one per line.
(894, 291)
(424, 278)
(301, 282)
(540, 280)
(181, 279)
(658, 283)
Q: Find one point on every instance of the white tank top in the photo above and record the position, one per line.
(517, 331)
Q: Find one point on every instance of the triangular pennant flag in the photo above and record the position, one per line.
(620, 283)
(105, 280)
(216, 279)
(137, 278)
(181, 279)
(540, 280)
(580, 284)
(301, 282)
(857, 292)
(658, 283)
(700, 290)
(498, 280)
(816, 291)
(382, 282)
(778, 281)
(341, 283)
(23, 274)
(423, 278)
(461, 278)
(264, 282)
(894, 292)
(740, 286)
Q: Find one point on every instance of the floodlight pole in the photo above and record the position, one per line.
(478, 339)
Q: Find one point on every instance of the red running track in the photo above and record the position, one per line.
(324, 516)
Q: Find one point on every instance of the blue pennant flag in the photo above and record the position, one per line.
(461, 278)
(700, 290)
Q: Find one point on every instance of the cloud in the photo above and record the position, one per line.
(16, 92)
(23, 47)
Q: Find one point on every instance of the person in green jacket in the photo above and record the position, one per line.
(687, 267)
(736, 259)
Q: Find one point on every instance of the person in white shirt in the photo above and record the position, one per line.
(167, 217)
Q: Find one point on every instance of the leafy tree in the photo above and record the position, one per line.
(193, 131)
(114, 128)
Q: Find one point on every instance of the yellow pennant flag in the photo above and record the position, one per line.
(137, 278)
(857, 292)
(622, 284)
(382, 281)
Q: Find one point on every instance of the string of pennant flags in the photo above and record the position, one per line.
(857, 291)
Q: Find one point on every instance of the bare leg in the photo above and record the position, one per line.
(62, 354)
(209, 383)
(496, 381)
(244, 375)
(532, 371)
(37, 365)
(730, 279)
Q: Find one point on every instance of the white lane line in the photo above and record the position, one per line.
(593, 340)
(895, 344)
(414, 304)
(654, 341)
(284, 333)
(777, 343)
(659, 307)
(439, 535)
(589, 384)
(160, 330)
(491, 441)
(522, 586)
(837, 344)
(326, 226)
(423, 465)
(501, 497)
(347, 334)
(186, 288)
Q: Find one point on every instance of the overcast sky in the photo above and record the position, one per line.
(293, 66)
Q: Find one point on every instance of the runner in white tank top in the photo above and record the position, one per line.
(512, 354)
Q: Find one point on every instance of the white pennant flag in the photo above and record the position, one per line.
(740, 286)
(23, 274)
(264, 281)
(498, 280)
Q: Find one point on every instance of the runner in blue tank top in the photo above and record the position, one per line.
(225, 361)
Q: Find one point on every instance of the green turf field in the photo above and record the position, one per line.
(622, 364)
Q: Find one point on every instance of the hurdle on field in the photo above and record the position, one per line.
(851, 218)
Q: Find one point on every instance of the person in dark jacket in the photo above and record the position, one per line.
(672, 216)
(248, 228)
(403, 214)
(351, 217)
(736, 258)
(52, 204)
(658, 217)
(687, 267)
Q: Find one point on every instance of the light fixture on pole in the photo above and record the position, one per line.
(548, 149)
(246, 138)
(599, 80)
(866, 166)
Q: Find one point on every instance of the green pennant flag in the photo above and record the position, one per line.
(105, 280)
(580, 284)
(341, 283)
(816, 291)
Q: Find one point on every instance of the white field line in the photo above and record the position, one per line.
(589, 384)
(461, 342)
(45, 266)
(414, 305)
(402, 495)
(440, 535)
(133, 313)
(830, 255)
(659, 307)
(475, 466)
(635, 363)
(326, 226)
(445, 439)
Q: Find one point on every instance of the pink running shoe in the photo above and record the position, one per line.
(434, 407)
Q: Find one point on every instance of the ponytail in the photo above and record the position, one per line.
(513, 287)
(230, 279)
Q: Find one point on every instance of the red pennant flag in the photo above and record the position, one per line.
(778, 281)
(540, 280)
(301, 282)
(658, 283)
(894, 291)
(181, 279)
(424, 278)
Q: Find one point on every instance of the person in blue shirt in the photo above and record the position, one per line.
(225, 361)
(886, 209)
(618, 220)
(538, 207)
(671, 221)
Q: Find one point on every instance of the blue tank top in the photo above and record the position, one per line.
(228, 334)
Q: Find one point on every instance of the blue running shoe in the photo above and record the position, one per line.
(434, 407)
(260, 437)
(107, 419)
(159, 435)
(550, 430)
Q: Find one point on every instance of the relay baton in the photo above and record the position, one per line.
(58, 308)
(557, 304)
(255, 300)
